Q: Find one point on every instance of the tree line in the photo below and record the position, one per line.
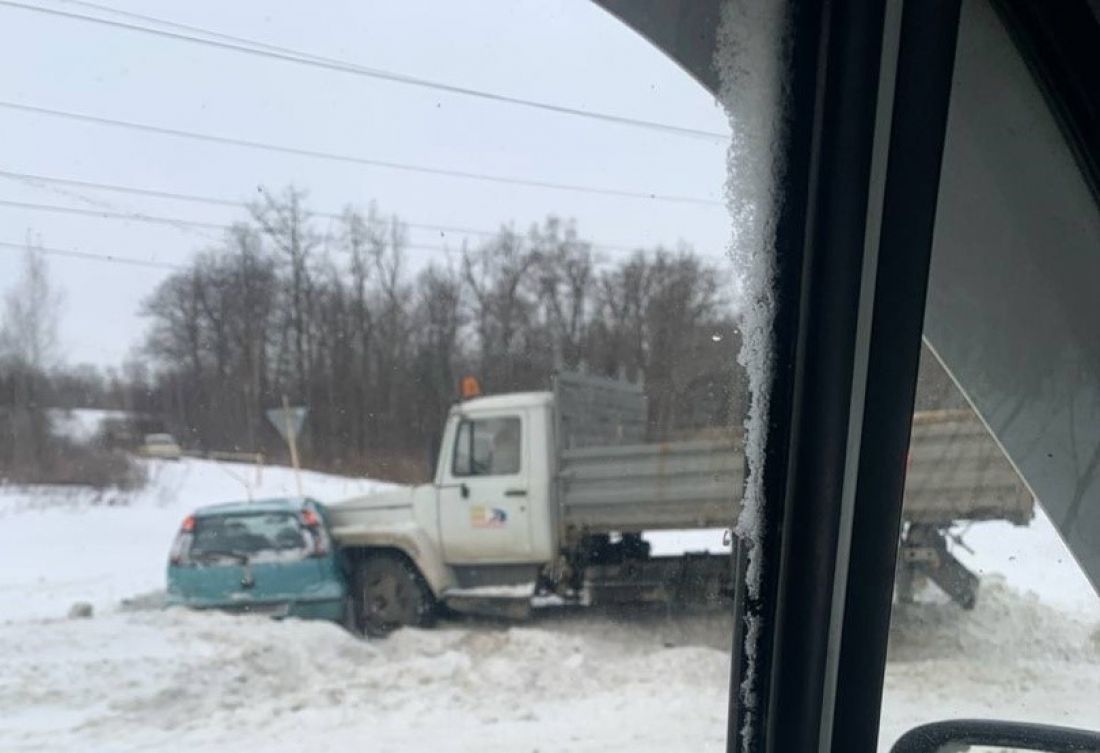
(345, 323)
(341, 321)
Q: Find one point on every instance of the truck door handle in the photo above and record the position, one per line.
(464, 490)
(515, 493)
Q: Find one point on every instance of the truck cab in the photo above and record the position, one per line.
(486, 520)
(492, 483)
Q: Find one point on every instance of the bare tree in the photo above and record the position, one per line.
(438, 349)
(393, 323)
(566, 283)
(498, 276)
(28, 342)
(31, 310)
(362, 239)
(619, 344)
(286, 224)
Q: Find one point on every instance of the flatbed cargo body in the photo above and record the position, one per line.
(956, 472)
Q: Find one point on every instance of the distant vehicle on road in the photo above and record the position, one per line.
(162, 446)
(273, 557)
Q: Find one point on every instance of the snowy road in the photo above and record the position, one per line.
(159, 680)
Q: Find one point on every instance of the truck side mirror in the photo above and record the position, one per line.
(960, 734)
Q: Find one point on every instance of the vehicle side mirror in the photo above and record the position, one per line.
(960, 734)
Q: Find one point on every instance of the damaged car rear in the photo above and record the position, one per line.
(273, 557)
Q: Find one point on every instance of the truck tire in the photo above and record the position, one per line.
(389, 593)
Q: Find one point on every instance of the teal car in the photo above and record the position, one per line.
(273, 557)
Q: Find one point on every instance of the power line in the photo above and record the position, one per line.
(213, 201)
(160, 220)
(107, 214)
(181, 222)
(99, 204)
(88, 255)
(286, 54)
(353, 159)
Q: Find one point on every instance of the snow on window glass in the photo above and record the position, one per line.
(750, 62)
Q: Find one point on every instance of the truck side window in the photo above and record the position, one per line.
(487, 447)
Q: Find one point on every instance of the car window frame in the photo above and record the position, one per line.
(289, 514)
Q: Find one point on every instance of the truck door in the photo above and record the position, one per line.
(483, 502)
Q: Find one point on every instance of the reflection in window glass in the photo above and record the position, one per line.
(993, 615)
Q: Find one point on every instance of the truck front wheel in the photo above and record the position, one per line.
(389, 593)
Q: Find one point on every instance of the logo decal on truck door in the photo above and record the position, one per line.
(488, 517)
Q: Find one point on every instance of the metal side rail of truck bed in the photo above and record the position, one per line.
(957, 472)
(649, 486)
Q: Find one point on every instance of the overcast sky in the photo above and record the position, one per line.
(569, 52)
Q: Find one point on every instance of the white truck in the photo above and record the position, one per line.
(548, 494)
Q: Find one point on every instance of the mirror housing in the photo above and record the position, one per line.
(959, 734)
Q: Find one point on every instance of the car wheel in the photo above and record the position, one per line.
(390, 594)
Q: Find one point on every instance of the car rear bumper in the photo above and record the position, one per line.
(305, 609)
(329, 609)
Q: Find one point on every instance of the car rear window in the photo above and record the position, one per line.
(248, 533)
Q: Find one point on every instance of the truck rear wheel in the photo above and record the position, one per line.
(389, 593)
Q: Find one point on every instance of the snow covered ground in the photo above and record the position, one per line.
(149, 679)
(1028, 558)
(82, 424)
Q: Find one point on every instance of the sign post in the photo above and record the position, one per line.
(288, 422)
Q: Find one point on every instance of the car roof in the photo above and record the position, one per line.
(275, 504)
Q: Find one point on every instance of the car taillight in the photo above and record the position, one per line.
(317, 534)
(182, 542)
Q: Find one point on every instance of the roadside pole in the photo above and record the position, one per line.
(288, 422)
(292, 440)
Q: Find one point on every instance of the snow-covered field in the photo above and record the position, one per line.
(82, 424)
(133, 678)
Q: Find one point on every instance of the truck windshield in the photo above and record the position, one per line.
(247, 534)
(487, 447)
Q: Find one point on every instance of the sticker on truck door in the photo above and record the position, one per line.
(482, 516)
